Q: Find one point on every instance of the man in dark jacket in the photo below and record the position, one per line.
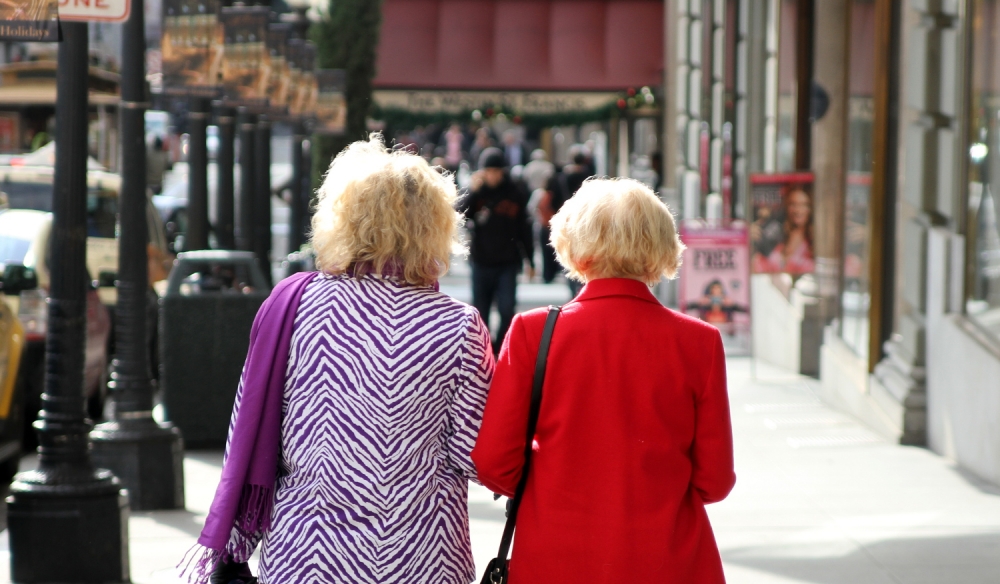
(497, 216)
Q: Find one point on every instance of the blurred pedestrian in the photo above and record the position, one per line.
(496, 211)
(453, 139)
(361, 397)
(538, 172)
(156, 165)
(633, 437)
(482, 141)
(561, 188)
(513, 148)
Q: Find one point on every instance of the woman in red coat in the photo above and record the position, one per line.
(634, 436)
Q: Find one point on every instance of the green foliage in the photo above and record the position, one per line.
(347, 38)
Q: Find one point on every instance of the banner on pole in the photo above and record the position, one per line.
(191, 47)
(246, 74)
(715, 282)
(280, 80)
(29, 20)
(781, 234)
(331, 105)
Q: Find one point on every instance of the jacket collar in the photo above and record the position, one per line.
(603, 287)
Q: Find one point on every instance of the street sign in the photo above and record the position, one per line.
(95, 10)
(29, 20)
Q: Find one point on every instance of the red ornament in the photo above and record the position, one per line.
(517, 119)
(631, 92)
(489, 112)
(621, 103)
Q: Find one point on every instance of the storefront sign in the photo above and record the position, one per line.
(526, 102)
(191, 47)
(331, 105)
(246, 74)
(715, 281)
(95, 10)
(29, 20)
(781, 234)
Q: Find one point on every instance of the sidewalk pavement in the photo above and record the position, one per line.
(818, 499)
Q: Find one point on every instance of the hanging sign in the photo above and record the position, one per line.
(331, 105)
(95, 10)
(781, 234)
(715, 281)
(245, 65)
(191, 47)
(29, 20)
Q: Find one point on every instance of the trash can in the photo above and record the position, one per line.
(205, 320)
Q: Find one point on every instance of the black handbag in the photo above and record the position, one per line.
(232, 573)
(496, 570)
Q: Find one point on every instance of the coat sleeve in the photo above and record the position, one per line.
(499, 451)
(713, 473)
(465, 412)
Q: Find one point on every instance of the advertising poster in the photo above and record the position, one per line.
(715, 282)
(278, 84)
(302, 100)
(29, 20)
(191, 47)
(331, 105)
(293, 59)
(246, 74)
(781, 232)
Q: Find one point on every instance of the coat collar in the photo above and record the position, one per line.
(616, 287)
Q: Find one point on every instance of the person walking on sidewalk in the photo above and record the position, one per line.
(497, 215)
(633, 437)
(349, 450)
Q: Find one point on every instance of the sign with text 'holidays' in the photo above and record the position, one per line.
(95, 10)
(29, 20)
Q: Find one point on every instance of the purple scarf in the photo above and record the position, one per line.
(245, 496)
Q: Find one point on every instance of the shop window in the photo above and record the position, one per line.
(855, 296)
(983, 291)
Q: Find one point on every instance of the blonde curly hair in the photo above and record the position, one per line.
(386, 212)
(616, 228)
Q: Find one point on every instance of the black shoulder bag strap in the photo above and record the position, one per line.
(496, 571)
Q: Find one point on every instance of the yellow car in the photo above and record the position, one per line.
(16, 279)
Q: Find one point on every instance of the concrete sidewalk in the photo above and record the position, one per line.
(819, 499)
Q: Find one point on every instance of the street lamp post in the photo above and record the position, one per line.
(148, 457)
(68, 520)
(245, 226)
(197, 235)
(262, 201)
(225, 117)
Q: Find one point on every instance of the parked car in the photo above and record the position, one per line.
(16, 280)
(24, 239)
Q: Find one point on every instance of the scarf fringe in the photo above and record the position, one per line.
(198, 563)
(254, 512)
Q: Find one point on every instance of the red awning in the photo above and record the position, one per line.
(538, 45)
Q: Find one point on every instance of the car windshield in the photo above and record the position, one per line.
(102, 206)
(13, 249)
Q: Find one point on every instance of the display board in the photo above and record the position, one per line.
(715, 281)
(29, 20)
(781, 232)
(246, 64)
(191, 47)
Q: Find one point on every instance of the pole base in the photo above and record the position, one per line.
(147, 457)
(68, 533)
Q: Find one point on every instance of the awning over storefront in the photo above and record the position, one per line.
(520, 45)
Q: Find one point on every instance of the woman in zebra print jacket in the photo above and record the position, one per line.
(381, 396)
(633, 436)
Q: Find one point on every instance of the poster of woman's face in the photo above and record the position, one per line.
(781, 233)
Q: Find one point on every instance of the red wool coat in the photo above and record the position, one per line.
(633, 439)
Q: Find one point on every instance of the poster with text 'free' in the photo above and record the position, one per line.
(715, 282)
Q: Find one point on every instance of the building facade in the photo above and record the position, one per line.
(899, 123)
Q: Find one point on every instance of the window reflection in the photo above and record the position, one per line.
(983, 303)
(854, 298)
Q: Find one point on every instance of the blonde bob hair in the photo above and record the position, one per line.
(616, 228)
(385, 212)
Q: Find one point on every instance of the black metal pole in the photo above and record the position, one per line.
(78, 511)
(197, 235)
(262, 207)
(244, 228)
(226, 160)
(146, 456)
(298, 203)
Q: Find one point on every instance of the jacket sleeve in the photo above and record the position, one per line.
(499, 451)
(465, 412)
(713, 474)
